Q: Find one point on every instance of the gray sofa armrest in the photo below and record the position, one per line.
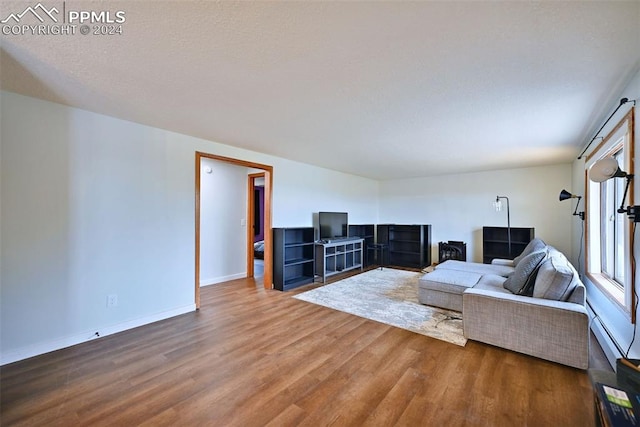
(500, 261)
(553, 330)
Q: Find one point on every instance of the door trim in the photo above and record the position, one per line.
(268, 246)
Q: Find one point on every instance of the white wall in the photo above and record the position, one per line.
(223, 215)
(619, 330)
(458, 206)
(93, 206)
(322, 190)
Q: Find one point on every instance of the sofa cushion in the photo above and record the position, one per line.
(452, 281)
(533, 246)
(523, 275)
(492, 282)
(579, 294)
(556, 279)
(475, 267)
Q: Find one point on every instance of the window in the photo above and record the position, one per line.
(609, 239)
(612, 226)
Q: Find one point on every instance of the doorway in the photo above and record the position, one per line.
(255, 225)
(267, 171)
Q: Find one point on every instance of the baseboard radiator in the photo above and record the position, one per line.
(611, 349)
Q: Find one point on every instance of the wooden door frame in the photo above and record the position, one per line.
(268, 235)
(251, 223)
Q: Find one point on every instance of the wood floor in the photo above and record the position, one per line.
(252, 357)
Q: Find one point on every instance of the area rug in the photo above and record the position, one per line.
(389, 296)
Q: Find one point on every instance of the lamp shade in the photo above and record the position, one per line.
(605, 169)
(564, 195)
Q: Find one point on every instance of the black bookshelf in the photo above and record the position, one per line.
(366, 232)
(293, 257)
(408, 245)
(495, 242)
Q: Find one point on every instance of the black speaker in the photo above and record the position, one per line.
(628, 374)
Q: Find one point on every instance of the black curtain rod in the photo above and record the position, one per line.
(622, 102)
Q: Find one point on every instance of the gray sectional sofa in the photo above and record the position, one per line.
(535, 304)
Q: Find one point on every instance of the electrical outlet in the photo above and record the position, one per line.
(112, 300)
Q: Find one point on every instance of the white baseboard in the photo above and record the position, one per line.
(220, 279)
(607, 344)
(46, 347)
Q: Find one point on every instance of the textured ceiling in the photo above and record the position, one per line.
(378, 89)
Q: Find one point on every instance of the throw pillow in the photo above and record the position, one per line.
(518, 281)
(527, 288)
(533, 246)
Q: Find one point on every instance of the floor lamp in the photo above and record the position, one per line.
(498, 205)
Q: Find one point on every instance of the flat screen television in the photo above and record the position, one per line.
(333, 225)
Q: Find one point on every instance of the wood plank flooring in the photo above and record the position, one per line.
(252, 357)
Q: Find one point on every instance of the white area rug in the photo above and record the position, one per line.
(389, 296)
